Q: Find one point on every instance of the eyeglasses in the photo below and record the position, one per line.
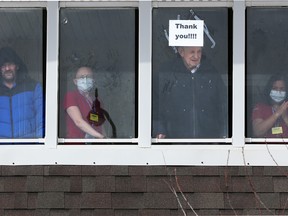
(85, 76)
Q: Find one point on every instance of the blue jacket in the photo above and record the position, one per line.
(21, 110)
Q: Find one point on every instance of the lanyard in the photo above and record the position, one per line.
(88, 99)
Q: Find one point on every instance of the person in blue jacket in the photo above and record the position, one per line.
(21, 99)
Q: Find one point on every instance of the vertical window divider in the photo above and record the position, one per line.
(238, 105)
(51, 123)
(145, 74)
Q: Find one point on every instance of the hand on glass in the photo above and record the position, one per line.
(281, 110)
(160, 136)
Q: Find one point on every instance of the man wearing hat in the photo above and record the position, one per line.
(21, 99)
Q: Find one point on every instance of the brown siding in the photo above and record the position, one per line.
(142, 190)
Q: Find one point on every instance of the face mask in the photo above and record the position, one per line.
(85, 84)
(277, 96)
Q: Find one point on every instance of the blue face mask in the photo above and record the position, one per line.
(85, 84)
(277, 96)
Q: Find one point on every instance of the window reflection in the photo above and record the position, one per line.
(97, 73)
(266, 84)
(190, 84)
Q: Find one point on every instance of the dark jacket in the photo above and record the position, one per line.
(189, 105)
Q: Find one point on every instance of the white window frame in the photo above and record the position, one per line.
(141, 150)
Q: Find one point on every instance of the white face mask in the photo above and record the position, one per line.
(85, 84)
(277, 96)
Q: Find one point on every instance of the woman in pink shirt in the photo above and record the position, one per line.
(78, 104)
(270, 117)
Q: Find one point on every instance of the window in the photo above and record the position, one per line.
(266, 61)
(190, 84)
(22, 61)
(104, 40)
(124, 42)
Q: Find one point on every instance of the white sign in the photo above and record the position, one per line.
(186, 33)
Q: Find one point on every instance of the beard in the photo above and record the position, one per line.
(8, 76)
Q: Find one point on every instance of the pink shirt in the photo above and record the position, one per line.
(74, 98)
(263, 111)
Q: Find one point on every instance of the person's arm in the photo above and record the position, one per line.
(39, 111)
(75, 115)
(283, 110)
(261, 126)
(222, 106)
(159, 104)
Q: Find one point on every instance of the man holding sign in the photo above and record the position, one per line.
(190, 99)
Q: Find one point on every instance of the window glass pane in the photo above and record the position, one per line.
(102, 44)
(190, 84)
(267, 64)
(22, 62)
